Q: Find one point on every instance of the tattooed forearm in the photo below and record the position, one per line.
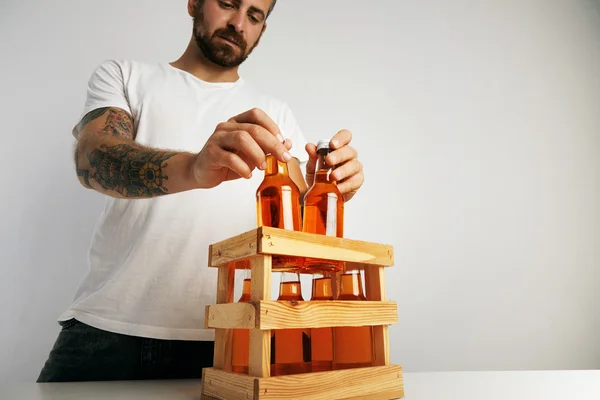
(129, 170)
(82, 173)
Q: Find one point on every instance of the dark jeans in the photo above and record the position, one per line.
(84, 353)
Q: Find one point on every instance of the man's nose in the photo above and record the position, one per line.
(238, 21)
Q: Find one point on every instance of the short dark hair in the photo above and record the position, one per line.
(271, 8)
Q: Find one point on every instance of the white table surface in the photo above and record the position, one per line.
(526, 385)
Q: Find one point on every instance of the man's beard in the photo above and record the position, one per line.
(214, 49)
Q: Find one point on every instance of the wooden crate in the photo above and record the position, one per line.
(380, 382)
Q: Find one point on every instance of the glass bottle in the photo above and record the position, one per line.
(352, 345)
(240, 352)
(323, 208)
(278, 205)
(290, 348)
(321, 339)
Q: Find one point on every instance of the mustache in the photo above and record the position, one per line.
(230, 34)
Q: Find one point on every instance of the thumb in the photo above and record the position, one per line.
(311, 165)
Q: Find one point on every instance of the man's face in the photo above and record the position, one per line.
(226, 31)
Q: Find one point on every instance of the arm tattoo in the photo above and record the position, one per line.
(89, 117)
(84, 174)
(129, 170)
(115, 168)
(118, 123)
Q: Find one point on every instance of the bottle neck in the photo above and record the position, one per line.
(351, 287)
(275, 167)
(323, 171)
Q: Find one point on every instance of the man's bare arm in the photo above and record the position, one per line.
(107, 159)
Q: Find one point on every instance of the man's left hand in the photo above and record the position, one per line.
(348, 170)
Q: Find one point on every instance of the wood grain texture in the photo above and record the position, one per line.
(260, 340)
(233, 249)
(375, 383)
(334, 385)
(375, 291)
(267, 240)
(272, 314)
(300, 244)
(227, 385)
(232, 315)
(223, 337)
(320, 314)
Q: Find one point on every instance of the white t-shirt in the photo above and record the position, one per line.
(148, 261)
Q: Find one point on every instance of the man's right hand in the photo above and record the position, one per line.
(237, 147)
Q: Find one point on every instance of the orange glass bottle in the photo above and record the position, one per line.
(352, 345)
(278, 205)
(240, 352)
(321, 339)
(290, 348)
(323, 208)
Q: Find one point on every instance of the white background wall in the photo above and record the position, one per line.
(478, 124)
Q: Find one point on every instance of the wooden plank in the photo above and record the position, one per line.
(260, 340)
(375, 291)
(233, 249)
(374, 383)
(261, 278)
(225, 281)
(271, 314)
(370, 383)
(325, 313)
(392, 394)
(227, 385)
(300, 244)
(232, 315)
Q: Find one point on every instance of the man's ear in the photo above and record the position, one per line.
(192, 4)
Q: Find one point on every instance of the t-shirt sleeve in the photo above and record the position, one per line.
(291, 130)
(106, 88)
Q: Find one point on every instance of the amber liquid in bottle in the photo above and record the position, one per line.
(290, 348)
(353, 346)
(240, 351)
(278, 206)
(321, 339)
(323, 209)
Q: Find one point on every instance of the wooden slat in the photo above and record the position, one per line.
(260, 341)
(375, 383)
(392, 394)
(300, 244)
(333, 385)
(227, 385)
(375, 290)
(261, 278)
(233, 316)
(267, 240)
(233, 249)
(320, 314)
(303, 314)
(225, 281)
